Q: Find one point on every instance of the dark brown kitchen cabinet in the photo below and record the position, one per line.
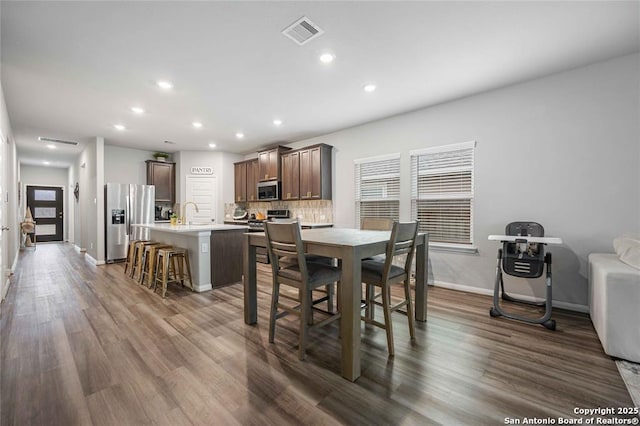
(269, 163)
(315, 172)
(291, 176)
(252, 180)
(240, 175)
(162, 175)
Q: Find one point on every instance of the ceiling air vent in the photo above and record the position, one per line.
(302, 31)
(43, 139)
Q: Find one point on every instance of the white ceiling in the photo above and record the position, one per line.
(71, 70)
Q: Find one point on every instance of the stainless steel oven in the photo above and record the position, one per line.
(268, 191)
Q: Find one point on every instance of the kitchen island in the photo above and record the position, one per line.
(215, 251)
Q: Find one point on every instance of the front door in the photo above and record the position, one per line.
(46, 204)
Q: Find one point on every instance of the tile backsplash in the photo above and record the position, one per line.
(309, 211)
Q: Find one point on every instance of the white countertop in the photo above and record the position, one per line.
(167, 227)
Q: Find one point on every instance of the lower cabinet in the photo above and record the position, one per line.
(226, 257)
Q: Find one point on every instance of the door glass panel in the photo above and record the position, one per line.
(45, 230)
(44, 195)
(44, 213)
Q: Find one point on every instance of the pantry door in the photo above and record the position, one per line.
(202, 191)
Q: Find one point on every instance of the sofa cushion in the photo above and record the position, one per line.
(627, 248)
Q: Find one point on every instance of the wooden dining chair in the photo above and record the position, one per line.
(370, 223)
(384, 273)
(284, 241)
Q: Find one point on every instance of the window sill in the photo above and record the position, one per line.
(452, 248)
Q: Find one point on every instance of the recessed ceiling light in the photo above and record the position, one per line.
(46, 163)
(212, 145)
(369, 87)
(327, 58)
(277, 122)
(51, 146)
(119, 127)
(239, 135)
(166, 85)
(137, 110)
(197, 124)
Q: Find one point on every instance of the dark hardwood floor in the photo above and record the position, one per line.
(85, 345)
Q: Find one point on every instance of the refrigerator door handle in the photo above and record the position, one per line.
(127, 217)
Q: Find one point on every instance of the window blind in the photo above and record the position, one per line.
(442, 192)
(377, 187)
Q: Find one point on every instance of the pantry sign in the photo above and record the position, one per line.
(201, 170)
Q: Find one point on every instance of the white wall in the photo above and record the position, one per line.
(9, 198)
(46, 176)
(562, 150)
(125, 165)
(90, 214)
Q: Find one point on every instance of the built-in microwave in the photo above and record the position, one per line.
(268, 191)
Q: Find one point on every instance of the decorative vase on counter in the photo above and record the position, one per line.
(173, 221)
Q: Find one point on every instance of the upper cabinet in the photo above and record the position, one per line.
(269, 163)
(246, 181)
(315, 172)
(291, 175)
(162, 174)
(252, 180)
(305, 173)
(240, 174)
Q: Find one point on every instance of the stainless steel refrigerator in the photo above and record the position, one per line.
(126, 205)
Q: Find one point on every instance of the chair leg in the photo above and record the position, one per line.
(330, 297)
(308, 299)
(188, 265)
(407, 296)
(386, 306)
(305, 307)
(369, 311)
(275, 295)
(165, 273)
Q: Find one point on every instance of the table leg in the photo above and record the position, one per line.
(350, 290)
(422, 273)
(250, 283)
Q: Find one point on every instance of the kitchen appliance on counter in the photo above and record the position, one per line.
(257, 225)
(126, 205)
(239, 214)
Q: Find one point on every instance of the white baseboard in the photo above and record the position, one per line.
(79, 249)
(202, 287)
(489, 292)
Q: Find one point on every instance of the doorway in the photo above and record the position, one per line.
(46, 204)
(202, 191)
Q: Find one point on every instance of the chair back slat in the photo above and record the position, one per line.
(376, 223)
(401, 242)
(284, 240)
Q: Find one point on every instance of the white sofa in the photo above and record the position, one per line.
(614, 305)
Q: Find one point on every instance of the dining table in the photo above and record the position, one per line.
(350, 246)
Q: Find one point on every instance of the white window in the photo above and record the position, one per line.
(442, 193)
(377, 187)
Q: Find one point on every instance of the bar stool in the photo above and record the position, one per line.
(131, 256)
(148, 263)
(167, 271)
(136, 269)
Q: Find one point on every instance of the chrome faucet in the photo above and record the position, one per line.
(184, 210)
